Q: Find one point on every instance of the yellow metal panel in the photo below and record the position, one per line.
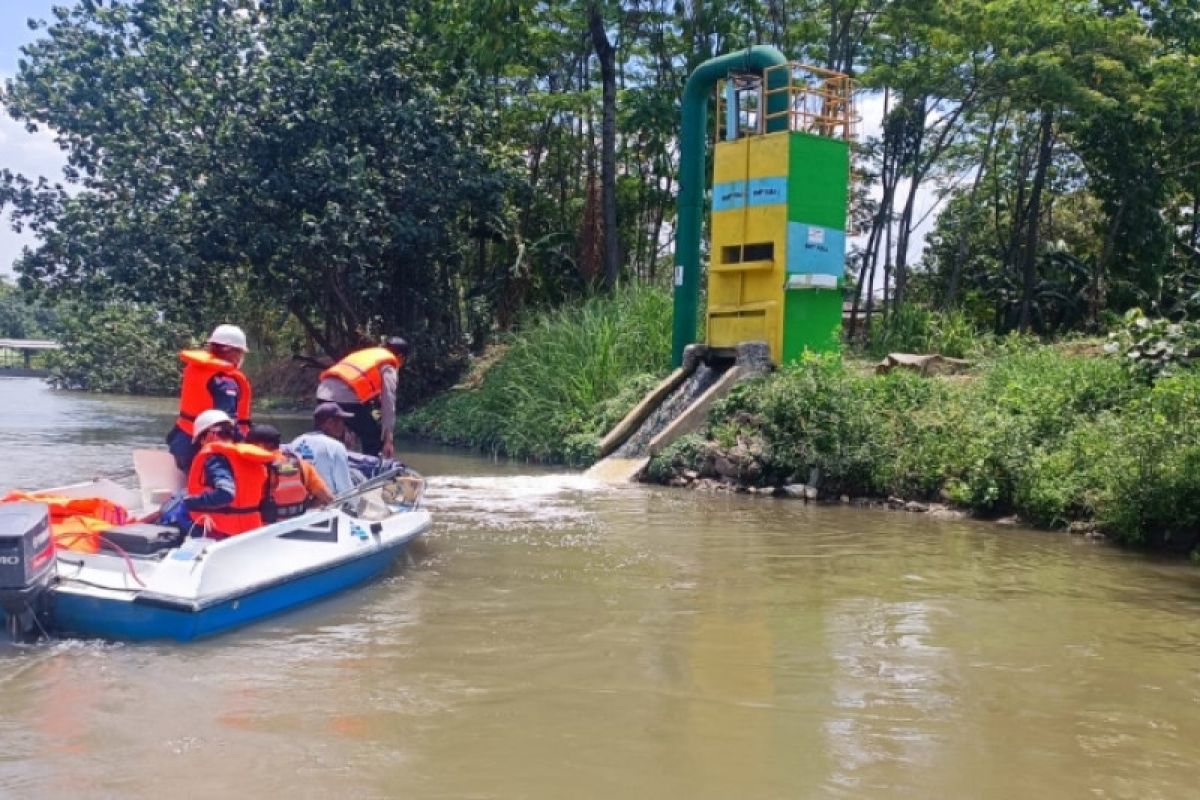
(761, 322)
(744, 266)
(765, 223)
(746, 292)
(729, 330)
(755, 225)
(768, 155)
(750, 158)
(729, 161)
(727, 227)
(725, 289)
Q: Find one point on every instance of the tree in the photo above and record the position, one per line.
(317, 164)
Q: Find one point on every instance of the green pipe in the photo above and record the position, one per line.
(690, 209)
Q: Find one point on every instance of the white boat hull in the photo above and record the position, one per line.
(206, 586)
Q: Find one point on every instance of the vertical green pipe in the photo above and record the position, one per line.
(690, 209)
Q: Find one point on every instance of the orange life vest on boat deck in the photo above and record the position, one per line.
(288, 496)
(199, 368)
(249, 464)
(360, 371)
(75, 522)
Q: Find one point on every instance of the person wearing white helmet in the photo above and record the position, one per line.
(212, 378)
(227, 481)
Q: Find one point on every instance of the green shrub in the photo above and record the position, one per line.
(1154, 348)
(1134, 470)
(686, 452)
(1029, 397)
(812, 415)
(973, 439)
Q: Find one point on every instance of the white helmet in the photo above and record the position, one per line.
(206, 420)
(230, 336)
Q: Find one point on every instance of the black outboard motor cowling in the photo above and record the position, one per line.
(27, 565)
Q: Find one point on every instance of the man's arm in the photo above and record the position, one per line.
(224, 393)
(218, 476)
(387, 409)
(340, 473)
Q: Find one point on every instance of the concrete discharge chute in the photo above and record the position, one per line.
(677, 406)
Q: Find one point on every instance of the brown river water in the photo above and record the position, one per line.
(555, 638)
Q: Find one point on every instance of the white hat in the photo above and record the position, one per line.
(206, 420)
(230, 336)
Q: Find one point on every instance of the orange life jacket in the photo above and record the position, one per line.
(75, 522)
(288, 496)
(194, 397)
(249, 464)
(360, 371)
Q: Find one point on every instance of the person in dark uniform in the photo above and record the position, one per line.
(364, 384)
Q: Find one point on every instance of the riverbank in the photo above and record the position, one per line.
(1058, 436)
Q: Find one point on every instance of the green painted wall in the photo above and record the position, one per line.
(818, 192)
(818, 180)
(813, 321)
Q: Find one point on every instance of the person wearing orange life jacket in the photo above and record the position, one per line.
(294, 484)
(227, 482)
(360, 381)
(212, 378)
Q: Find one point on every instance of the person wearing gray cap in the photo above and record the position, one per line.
(323, 447)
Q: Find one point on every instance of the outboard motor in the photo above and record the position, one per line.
(27, 565)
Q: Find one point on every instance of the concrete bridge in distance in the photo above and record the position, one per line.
(16, 356)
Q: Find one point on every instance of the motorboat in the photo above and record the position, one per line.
(154, 582)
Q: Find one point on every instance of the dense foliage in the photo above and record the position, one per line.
(1154, 348)
(303, 155)
(123, 349)
(562, 382)
(20, 318)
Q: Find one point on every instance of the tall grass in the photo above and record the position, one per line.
(566, 376)
(914, 329)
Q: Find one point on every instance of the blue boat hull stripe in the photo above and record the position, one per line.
(121, 619)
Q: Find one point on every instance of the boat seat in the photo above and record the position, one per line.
(158, 477)
(143, 539)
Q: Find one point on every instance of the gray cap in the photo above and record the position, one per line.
(329, 411)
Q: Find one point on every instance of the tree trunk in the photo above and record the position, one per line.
(1196, 213)
(313, 332)
(1029, 270)
(607, 55)
(1096, 290)
(960, 250)
(871, 253)
(917, 119)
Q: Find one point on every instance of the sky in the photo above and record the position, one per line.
(36, 154)
(30, 154)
